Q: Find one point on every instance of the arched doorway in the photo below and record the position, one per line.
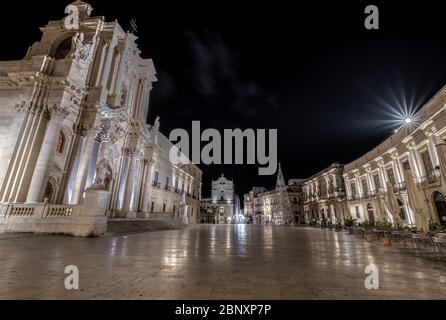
(370, 213)
(403, 215)
(221, 215)
(440, 207)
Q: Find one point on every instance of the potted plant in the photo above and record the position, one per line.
(434, 227)
(349, 224)
(387, 238)
(368, 226)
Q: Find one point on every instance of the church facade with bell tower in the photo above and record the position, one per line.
(75, 146)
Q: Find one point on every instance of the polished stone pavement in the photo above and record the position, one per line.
(214, 262)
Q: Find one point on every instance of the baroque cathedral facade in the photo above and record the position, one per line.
(74, 138)
(223, 207)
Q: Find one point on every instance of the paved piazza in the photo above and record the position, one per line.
(214, 262)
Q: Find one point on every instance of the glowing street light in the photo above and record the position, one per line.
(399, 107)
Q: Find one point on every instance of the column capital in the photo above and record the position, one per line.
(102, 131)
(22, 106)
(57, 112)
(26, 106)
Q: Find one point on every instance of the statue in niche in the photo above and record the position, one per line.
(102, 174)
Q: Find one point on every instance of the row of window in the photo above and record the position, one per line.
(167, 185)
(164, 209)
(427, 163)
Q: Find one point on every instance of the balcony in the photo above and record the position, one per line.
(353, 198)
(397, 187)
(431, 178)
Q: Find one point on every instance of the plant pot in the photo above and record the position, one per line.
(387, 242)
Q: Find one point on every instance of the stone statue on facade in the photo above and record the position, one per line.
(155, 130)
(84, 51)
(102, 173)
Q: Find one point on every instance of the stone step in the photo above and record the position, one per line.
(124, 226)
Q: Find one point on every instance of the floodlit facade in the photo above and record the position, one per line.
(403, 180)
(75, 145)
(223, 206)
(248, 206)
(324, 196)
(281, 206)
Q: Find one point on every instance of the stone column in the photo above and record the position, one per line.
(131, 187)
(147, 185)
(84, 164)
(433, 141)
(16, 134)
(359, 186)
(399, 177)
(116, 85)
(107, 67)
(46, 155)
(419, 160)
(371, 182)
(347, 186)
(414, 164)
(382, 177)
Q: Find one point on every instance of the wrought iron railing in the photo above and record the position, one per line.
(429, 179)
(401, 186)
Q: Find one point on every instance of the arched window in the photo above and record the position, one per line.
(60, 143)
(440, 206)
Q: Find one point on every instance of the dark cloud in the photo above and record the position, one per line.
(217, 76)
(166, 86)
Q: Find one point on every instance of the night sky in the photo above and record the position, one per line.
(309, 69)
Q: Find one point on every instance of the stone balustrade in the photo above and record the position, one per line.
(87, 219)
(39, 210)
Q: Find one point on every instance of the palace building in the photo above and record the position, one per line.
(403, 180)
(75, 145)
(324, 196)
(281, 206)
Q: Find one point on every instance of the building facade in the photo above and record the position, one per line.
(248, 206)
(74, 133)
(167, 183)
(257, 205)
(324, 196)
(402, 181)
(223, 206)
(281, 206)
